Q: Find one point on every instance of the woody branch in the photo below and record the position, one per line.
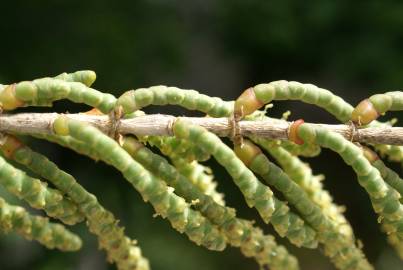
(161, 125)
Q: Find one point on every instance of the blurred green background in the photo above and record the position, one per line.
(353, 48)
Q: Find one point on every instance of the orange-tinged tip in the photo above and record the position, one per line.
(247, 151)
(293, 132)
(369, 154)
(61, 126)
(8, 99)
(93, 111)
(246, 104)
(9, 144)
(364, 113)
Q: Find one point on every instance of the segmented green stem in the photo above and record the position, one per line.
(165, 202)
(42, 92)
(86, 77)
(308, 93)
(69, 142)
(370, 109)
(201, 176)
(287, 224)
(37, 194)
(134, 100)
(120, 249)
(236, 230)
(301, 174)
(385, 200)
(394, 180)
(256, 194)
(51, 235)
(390, 101)
(390, 177)
(178, 148)
(339, 247)
(251, 240)
(184, 156)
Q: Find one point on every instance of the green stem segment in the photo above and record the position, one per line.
(308, 93)
(256, 194)
(301, 174)
(338, 246)
(390, 177)
(370, 109)
(120, 249)
(251, 240)
(86, 77)
(134, 100)
(43, 92)
(185, 156)
(394, 181)
(236, 230)
(51, 235)
(165, 202)
(385, 200)
(201, 176)
(178, 148)
(37, 194)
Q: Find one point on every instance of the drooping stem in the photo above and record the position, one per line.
(101, 222)
(31, 227)
(339, 247)
(235, 229)
(37, 194)
(165, 202)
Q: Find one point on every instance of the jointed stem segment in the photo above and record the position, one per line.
(256, 194)
(308, 93)
(385, 200)
(339, 247)
(134, 100)
(37, 194)
(43, 92)
(165, 202)
(370, 109)
(237, 231)
(301, 174)
(51, 235)
(101, 222)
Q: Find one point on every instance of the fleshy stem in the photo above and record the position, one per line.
(37, 194)
(120, 249)
(385, 200)
(51, 235)
(165, 202)
(339, 247)
(236, 230)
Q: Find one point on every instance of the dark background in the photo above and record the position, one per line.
(218, 48)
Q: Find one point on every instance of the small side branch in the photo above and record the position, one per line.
(161, 125)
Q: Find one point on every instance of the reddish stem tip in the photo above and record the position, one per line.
(293, 132)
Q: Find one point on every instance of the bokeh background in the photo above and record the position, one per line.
(353, 48)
